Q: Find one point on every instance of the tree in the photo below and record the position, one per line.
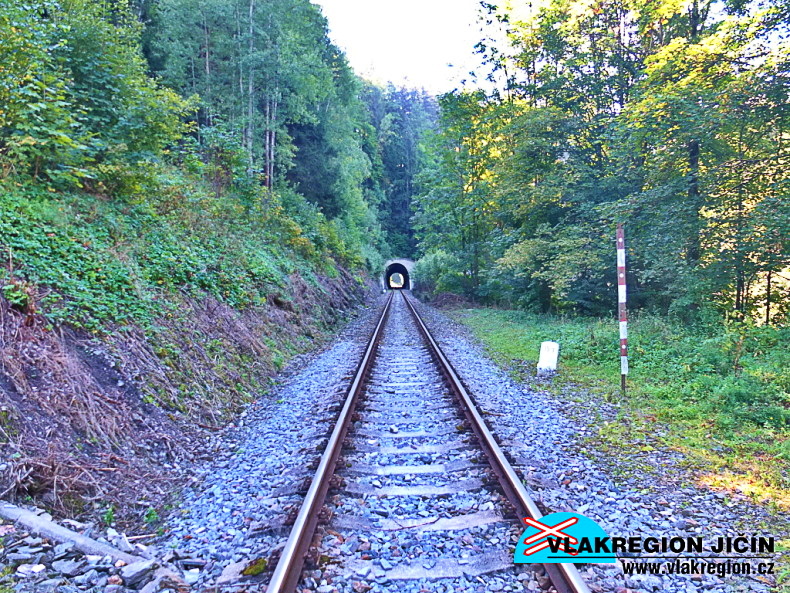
(76, 93)
(670, 117)
(401, 117)
(455, 212)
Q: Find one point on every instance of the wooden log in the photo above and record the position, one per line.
(49, 529)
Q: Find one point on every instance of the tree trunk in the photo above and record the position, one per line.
(241, 72)
(207, 67)
(694, 21)
(739, 293)
(270, 138)
(250, 92)
(267, 138)
(693, 248)
(273, 144)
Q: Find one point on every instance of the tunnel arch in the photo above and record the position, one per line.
(391, 276)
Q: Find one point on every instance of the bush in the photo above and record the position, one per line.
(98, 262)
(439, 272)
(77, 99)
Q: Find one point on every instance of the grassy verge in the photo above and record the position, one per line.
(718, 395)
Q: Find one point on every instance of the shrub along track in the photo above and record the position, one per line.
(412, 497)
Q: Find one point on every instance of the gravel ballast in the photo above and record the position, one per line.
(227, 527)
(544, 443)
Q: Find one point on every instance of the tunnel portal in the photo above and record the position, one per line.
(397, 277)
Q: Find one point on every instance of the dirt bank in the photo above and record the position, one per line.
(110, 425)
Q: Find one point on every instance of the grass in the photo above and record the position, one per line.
(719, 395)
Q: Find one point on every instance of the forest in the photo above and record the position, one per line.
(199, 190)
(144, 115)
(669, 117)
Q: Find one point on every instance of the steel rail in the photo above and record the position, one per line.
(565, 577)
(289, 568)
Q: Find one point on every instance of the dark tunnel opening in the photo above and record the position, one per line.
(397, 277)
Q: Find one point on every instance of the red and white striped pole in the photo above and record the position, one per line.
(623, 314)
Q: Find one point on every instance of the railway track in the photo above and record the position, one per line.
(412, 490)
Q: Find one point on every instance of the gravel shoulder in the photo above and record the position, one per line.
(235, 515)
(236, 505)
(650, 492)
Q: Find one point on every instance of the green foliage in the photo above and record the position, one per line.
(564, 269)
(151, 516)
(80, 114)
(108, 517)
(18, 294)
(439, 272)
(279, 106)
(400, 118)
(676, 129)
(38, 119)
(73, 261)
(128, 115)
(455, 212)
(101, 264)
(78, 105)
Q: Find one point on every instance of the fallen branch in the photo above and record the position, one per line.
(51, 530)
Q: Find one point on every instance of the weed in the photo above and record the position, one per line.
(151, 516)
(7, 421)
(108, 517)
(255, 567)
(18, 294)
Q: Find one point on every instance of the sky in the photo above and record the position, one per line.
(417, 43)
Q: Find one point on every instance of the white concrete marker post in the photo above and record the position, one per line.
(549, 354)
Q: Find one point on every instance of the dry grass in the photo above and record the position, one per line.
(89, 423)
